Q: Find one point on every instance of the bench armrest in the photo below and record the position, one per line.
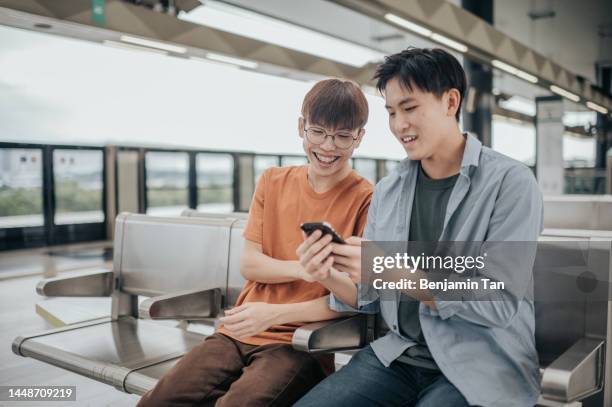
(576, 374)
(193, 305)
(333, 335)
(92, 284)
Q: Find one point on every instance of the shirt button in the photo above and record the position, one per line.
(395, 327)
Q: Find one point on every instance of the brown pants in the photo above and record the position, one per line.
(224, 372)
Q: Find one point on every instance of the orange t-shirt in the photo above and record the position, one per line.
(282, 201)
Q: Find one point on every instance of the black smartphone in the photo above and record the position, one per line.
(324, 227)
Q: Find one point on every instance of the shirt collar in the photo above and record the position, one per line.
(471, 152)
(471, 156)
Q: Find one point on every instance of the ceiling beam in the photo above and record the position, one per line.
(74, 18)
(485, 43)
(124, 18)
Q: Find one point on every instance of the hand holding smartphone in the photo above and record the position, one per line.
(325, 228)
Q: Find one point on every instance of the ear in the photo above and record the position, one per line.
(453, 100)
(359, 138)
(301, 125)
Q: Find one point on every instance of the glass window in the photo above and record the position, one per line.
(65, 106)
(288, 160)
(77, 176)
(215, 174)
(167, 182)
(583, 118)
(262, 163)
(366, 168)
(514, 139)
(578, 151)
(20, 187)
(585, 181)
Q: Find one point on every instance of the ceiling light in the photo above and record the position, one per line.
(130, 47)
(211, 62)
(245, 23)
(504, 66)
(514, 71)
(153, 44)
(233, 61)
(408, 25)
(527, 76)
(566, 94)
(426, 32)
(597, 108)
(449, 43)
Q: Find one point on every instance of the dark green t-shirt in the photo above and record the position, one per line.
(426, 223)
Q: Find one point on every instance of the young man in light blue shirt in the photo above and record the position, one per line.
(450, 188)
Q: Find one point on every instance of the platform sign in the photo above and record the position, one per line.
(98, 11)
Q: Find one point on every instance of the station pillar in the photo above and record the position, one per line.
(549, 144)
(603, 143)
(478, 106)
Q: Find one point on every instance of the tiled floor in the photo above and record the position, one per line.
(48, 262)
(19, 274)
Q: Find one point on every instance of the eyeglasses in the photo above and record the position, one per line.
(342, 139)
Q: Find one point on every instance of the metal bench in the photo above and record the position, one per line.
(235, 281)
(574, 317)
(233, 215)
(189, 269)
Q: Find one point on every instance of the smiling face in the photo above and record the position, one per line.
(334, 107)
(326, 159)
(419, 120)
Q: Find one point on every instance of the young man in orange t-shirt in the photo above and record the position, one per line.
(250, 360)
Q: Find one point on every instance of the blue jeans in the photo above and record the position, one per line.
(364, 381)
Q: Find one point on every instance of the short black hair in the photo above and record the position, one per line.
(428, 69)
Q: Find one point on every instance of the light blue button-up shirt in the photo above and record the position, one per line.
(485, 348)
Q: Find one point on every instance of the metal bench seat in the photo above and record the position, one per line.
(180, 263)
(133, 354)
(144, 379)
(189, 267)
(109, 351)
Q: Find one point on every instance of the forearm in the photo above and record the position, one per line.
(264, 269)
(308, 311)
(343, 288)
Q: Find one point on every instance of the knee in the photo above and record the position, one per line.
(366, 356)
(325, 393)
(304, 362)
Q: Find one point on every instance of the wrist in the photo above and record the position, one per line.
(277, 314)
(296, 270)
(331, 279)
